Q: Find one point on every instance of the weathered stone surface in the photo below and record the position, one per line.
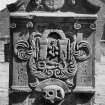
(100, 83)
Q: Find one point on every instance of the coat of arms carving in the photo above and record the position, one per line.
(52, 51)
(52, 56)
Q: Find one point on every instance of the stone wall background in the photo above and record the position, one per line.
(99, 65)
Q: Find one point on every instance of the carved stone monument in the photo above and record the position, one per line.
(52, 52)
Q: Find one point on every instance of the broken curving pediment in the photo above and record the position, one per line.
(77, 6)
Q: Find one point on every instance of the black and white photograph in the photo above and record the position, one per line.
(52, 52)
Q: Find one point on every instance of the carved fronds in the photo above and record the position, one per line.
(77, 6)
(83, 51)
(21, 49)
(54, 4)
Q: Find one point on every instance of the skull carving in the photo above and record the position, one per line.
(54, 93)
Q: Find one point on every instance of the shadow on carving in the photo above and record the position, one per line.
(83, 98)
(17, 97)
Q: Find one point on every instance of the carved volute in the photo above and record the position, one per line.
(52, 52)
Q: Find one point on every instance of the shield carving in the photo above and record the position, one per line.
(52, 61)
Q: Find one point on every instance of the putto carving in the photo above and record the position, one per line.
(52, 55)
(38, 2)
(54, 4)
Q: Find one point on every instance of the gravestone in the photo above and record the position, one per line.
(52, 52)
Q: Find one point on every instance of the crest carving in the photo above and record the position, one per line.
(52, 55)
